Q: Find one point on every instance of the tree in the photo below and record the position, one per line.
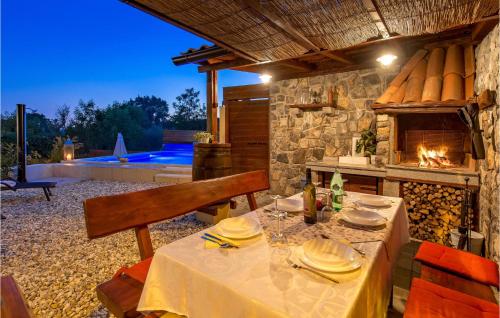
(155, 108)
(62, 118)
(125, 118)
(189, 112)
(40, 131)
(84, 124)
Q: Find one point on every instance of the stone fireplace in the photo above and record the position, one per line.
(427, 159)
(431, 141)
(434, 191)
(427, 156)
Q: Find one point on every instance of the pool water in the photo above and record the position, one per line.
(178, 154)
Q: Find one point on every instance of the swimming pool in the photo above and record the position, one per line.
(172, 154)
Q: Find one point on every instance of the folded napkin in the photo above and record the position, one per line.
(210, 245)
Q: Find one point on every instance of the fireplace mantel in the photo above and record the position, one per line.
(422, 108)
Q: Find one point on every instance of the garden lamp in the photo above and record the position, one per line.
(68, 150)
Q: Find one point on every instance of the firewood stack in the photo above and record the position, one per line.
(433, 210)
(441, 75)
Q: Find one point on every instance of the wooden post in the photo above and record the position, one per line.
(212, 103)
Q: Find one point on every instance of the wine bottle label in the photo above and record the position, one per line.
(309, 204)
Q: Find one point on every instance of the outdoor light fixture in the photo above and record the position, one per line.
(265, 78)
(387, 59)
(68, 150)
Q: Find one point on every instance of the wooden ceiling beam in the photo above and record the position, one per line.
(225, 65)
(286, 28)
(361, 54)
(298, 65)
(283, 26)
(161, 16)
(377, 18)
(337, 56)
(482, 28)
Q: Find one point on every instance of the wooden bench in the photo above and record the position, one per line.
(111, 214)
(13, 304)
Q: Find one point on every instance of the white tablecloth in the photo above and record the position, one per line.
(253, 281)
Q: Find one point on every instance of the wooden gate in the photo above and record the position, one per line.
(247, 126)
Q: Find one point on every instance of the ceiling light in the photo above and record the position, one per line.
(387, 59)
(265, 78)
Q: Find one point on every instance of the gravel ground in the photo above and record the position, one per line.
(45, 247)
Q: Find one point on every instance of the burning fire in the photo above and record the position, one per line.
(433, 158)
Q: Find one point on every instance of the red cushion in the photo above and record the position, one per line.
(430, 300)
(459, 262)
(137, 271)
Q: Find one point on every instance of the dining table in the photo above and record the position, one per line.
(258, 279)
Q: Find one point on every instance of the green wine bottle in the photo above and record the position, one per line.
(309, 200)
(337, 189)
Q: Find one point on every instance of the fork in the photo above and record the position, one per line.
(222, 245)
(296, 266)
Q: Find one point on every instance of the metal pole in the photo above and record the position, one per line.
(21, 143)
(463, 228)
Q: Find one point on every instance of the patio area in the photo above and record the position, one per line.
(360, 179)
(45, 246)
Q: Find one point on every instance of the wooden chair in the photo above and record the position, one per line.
(111, 214)
(12, 302)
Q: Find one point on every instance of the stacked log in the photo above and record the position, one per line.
(433, 210)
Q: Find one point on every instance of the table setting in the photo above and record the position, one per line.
(270, 263)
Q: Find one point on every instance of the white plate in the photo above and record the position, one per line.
(229, 229)
(374, 202)
(299, 252)
(363, 217)
(328, 252)
(288, 205)
(236, 225)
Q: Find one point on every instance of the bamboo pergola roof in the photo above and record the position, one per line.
(258, 32)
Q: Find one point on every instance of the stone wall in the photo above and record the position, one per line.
(487, 77)
(299, 136)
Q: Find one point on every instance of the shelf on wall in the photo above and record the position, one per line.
(422, 107)
(311, 106)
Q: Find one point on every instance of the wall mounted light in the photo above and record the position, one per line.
(265, 78)
(387, 59)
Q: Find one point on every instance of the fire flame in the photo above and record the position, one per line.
(430, 158)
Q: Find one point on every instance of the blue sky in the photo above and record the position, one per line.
(59, 51)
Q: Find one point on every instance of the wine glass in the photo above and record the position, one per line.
(327, 211)
(278, 237)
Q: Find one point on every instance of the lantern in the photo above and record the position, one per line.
(68, 150)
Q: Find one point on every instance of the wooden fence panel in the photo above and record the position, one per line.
(178, 136)
(247, 126)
